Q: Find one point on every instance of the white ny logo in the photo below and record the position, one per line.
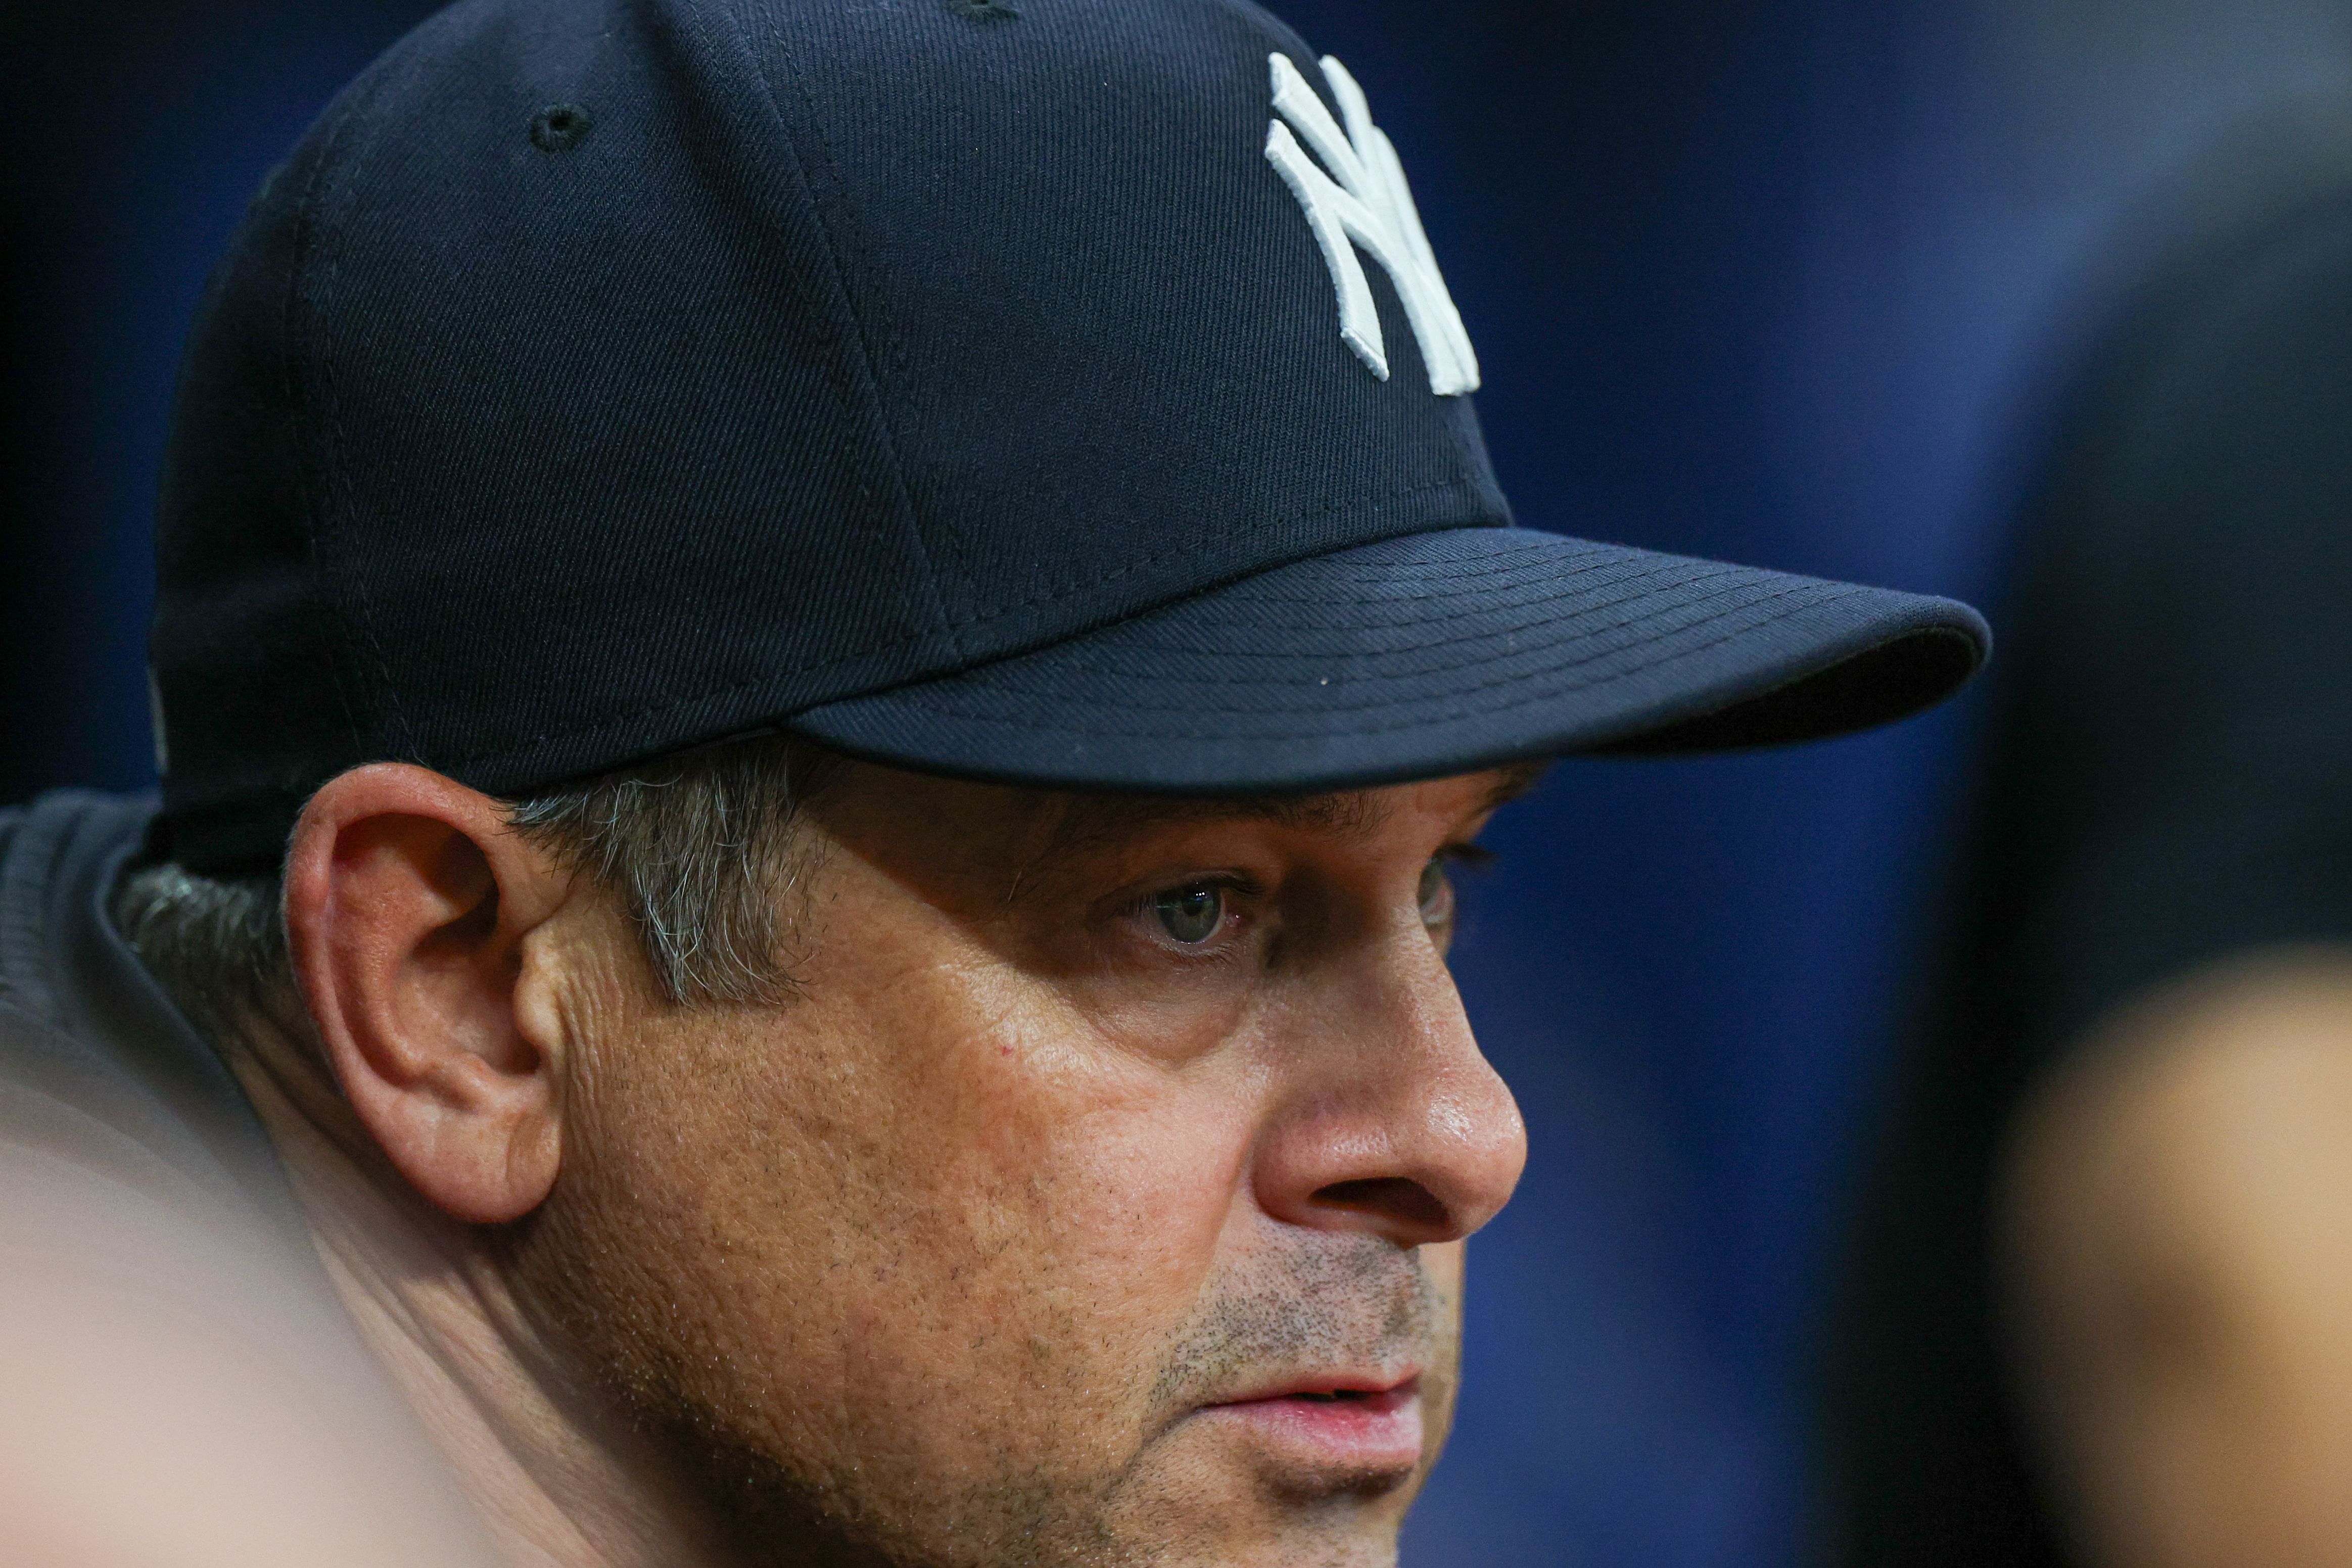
(1371, 206)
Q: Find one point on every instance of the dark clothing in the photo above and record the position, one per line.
(138, 1186)
(95, 1061)
(2169, 783)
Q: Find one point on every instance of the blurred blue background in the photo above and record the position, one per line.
(1779, 283)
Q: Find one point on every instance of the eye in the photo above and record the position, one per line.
(1191, 915)
(1436, 895)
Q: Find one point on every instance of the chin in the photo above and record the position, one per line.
(1217, 1493)
(1195, 1499)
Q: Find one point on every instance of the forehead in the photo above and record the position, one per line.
(923, 827)
(1073, 822)
(978, 852)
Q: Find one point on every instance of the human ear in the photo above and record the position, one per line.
(408, 902)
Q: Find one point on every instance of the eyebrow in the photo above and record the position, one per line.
(1516, 779)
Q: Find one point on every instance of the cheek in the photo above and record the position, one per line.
(1176, 1017)
(1051, 1182)
(944, 1192)
(1441, 1383)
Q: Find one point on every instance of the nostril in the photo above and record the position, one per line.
(1391, 1198)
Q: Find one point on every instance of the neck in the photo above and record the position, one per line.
(558, 1483)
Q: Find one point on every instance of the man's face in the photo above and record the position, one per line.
(1100, 1200)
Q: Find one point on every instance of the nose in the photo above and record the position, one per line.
(1389, 1120)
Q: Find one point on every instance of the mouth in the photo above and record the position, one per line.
(1364, 1427)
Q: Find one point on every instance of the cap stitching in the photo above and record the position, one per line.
(482, 759)
(1240, 526)
(319, 470)
(1581, 633)
(1465, 576)
(864, 333)
(1582, 630)
(1443, 579)
(895, 345)
(1549, 695)
(1745, 573)
(1449, 599)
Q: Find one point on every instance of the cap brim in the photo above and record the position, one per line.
(1429, 654)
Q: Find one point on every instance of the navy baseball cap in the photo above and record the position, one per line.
(1061, 392)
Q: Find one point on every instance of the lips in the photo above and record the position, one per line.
(1338, 1423)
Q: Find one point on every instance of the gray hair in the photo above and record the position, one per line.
(701, 847)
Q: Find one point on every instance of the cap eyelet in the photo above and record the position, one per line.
(985, 10)
(561, 127)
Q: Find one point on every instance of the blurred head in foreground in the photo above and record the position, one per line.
(2096, 1309)
(818, 669)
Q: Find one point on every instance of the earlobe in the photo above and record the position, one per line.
(408, 902)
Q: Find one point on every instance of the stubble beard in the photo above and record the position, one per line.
(607, 1289)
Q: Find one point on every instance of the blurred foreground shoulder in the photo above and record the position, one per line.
(180, 1387)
